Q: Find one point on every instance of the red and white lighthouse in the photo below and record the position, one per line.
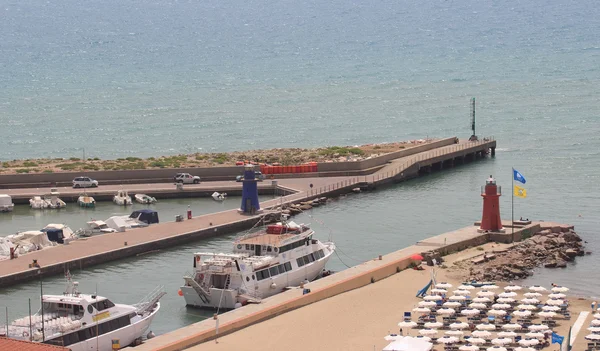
(490, 221)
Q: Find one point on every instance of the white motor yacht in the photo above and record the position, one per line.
(144, 199)
(6, 204)
(83, 322)
(38, 203)
(219, 196)
(262, 264)
(53, 201)
(122, 198)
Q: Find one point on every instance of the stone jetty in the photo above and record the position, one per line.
(551, 248)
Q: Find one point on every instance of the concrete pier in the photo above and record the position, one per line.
(107, 247)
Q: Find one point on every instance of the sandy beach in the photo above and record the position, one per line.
(359, 319)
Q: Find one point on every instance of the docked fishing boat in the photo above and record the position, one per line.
(122, 198)
(58, 233)
(37, 203)
(83, 322)
(145, 199)
(6, 204)
(262, 264)
(53, 201)
(219, 196)
(86, 201)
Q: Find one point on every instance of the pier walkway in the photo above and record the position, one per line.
(113, 246)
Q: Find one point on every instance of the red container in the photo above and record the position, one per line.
(278, 169)
(239, 163)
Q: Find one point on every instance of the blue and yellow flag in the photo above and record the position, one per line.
(518, 176)
(520, 192)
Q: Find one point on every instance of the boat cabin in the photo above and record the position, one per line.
(147, 216)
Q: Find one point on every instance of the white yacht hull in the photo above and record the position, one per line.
(7, 208)
(227, 298)
(122, 201)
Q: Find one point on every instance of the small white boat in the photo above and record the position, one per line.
(145, 199)
(81, 322)
(97, 226)
(122, 198)
(219, 196)
(6, 204)
(53, 201)
(38, 203)
(86, 201)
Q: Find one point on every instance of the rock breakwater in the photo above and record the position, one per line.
(550, 248)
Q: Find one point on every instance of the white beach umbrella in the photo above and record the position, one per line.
(421, 310)
(513, 288)
(496, 348)
(557, 296)
(594, 329)
(530, 300)
(506, 300)
(560, 289)
(537, 288)
(482, 299)
(497, 312)
(459, 325)
(469, 312)
(446, 311)
(538, 327)
(469, 348)
(529, 342)
(512, 326)
(466, 287)
(526, 307)
(407, 324)
(455, 333)
(457, 298)
(452, 304)
(554, 302)
(508, 294)
(439, 291)
(433, 325)
(462, 292)
(476, 341)
(507, 334)
(532, 294)
(478, 305)
(522, 313)
(596, 315)
(595, 322)
(427, 304)
(593, 337)
(424, 338)
(428, 332)
(520, 348)
(553, 308)
(536, 335)
(547, 314)
(443, 285)
(481, 334)
(502, 341)
(485, 326)
(447, 339)
(490, 287)
(432, 298)
(392, 337)
(486, 293)
(500, 306)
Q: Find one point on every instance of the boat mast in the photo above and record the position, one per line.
(473, 115)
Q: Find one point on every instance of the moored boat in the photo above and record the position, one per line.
(219, 196)
(122, 198)
(38, 203)
(84, 322)
(6, 204)
(262, 264)
(53, 201)
(86, 201)
(144, 199)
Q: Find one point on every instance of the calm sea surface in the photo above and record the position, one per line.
(148, 78)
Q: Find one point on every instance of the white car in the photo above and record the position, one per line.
(186, 178)
(84, 182)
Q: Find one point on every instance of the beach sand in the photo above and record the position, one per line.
(359, 319)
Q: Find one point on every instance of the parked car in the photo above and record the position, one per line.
(257, 174)
(84, 182)
(186, 178)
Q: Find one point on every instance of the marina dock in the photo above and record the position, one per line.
(334, 180)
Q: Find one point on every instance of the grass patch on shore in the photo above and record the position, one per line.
(341, 151)
(23, 170)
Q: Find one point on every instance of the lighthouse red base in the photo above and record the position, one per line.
(490, 220)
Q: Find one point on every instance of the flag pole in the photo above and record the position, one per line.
(512, 206)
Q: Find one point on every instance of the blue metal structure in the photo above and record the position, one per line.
(250, 204)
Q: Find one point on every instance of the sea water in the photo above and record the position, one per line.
(138, 78)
